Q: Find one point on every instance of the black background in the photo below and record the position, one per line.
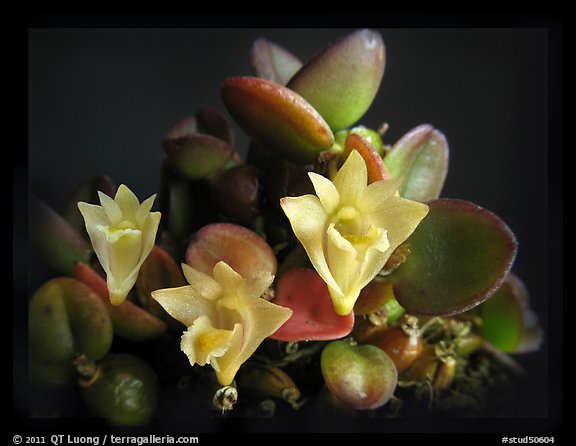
(100, 100)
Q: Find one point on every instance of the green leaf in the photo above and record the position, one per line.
(242, 249)
(197, 156)
(212, 121)
(363, 377)
(459, 255)
(208, 121)
(372, 136)
(129, 321)
(177, 204)
(277, 118)
(342, 81)
(420, 158)
(273, 62)
(378, 295)
(86, 191)
(67, 317)
(55, 240)
(507, 321)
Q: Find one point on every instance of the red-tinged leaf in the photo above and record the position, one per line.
(128, 319)
(212, 121)
(208, 121)
(376, 169)
(342, 81)
(277, 118)
(242, 249)
(314, 319)
(361, 376)
(55, 240)
(197, 156)
(273, 62)
(237, 193)
(459, 256)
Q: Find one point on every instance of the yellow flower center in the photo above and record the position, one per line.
(347, 214)
(348, 221)
(212, 340)
(127, 224)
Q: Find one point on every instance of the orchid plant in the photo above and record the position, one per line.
(324, 249)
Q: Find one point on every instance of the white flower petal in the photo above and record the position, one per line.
(111, 209)
(227, 278)
(351, 179)
(376, 194)
(260, 319)
(228, 365)
(144, 209)
(185, 304)
(343, 263)
(400, 217)
(326, 192)
(94, 217)
(127, 201)
(309, 223)
(255, 287)
(203, 284)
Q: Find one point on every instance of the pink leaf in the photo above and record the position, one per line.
(314, 319)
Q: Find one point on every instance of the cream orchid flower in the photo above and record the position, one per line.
(122, 232)
(350, 229)
(225, 315)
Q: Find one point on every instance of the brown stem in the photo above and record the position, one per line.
(86, 369)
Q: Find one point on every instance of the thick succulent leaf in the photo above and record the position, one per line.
(55, 240)
(378, 295)
(177, 203)
(283, 178)
(314, 319)
(372, 136)
(159, 271)
(374, 164)
(67, 317)
(212, 121)
(273, 62)
(242, 249)
(363, 377)
(208, 121)
(237, 193)
(184, 127)
(50, 375)
(420, 159)
(459, 255)
(507, 321)
(342, 81)
(277, 118)
(129, 321)
(86, 191)
(197, 156)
